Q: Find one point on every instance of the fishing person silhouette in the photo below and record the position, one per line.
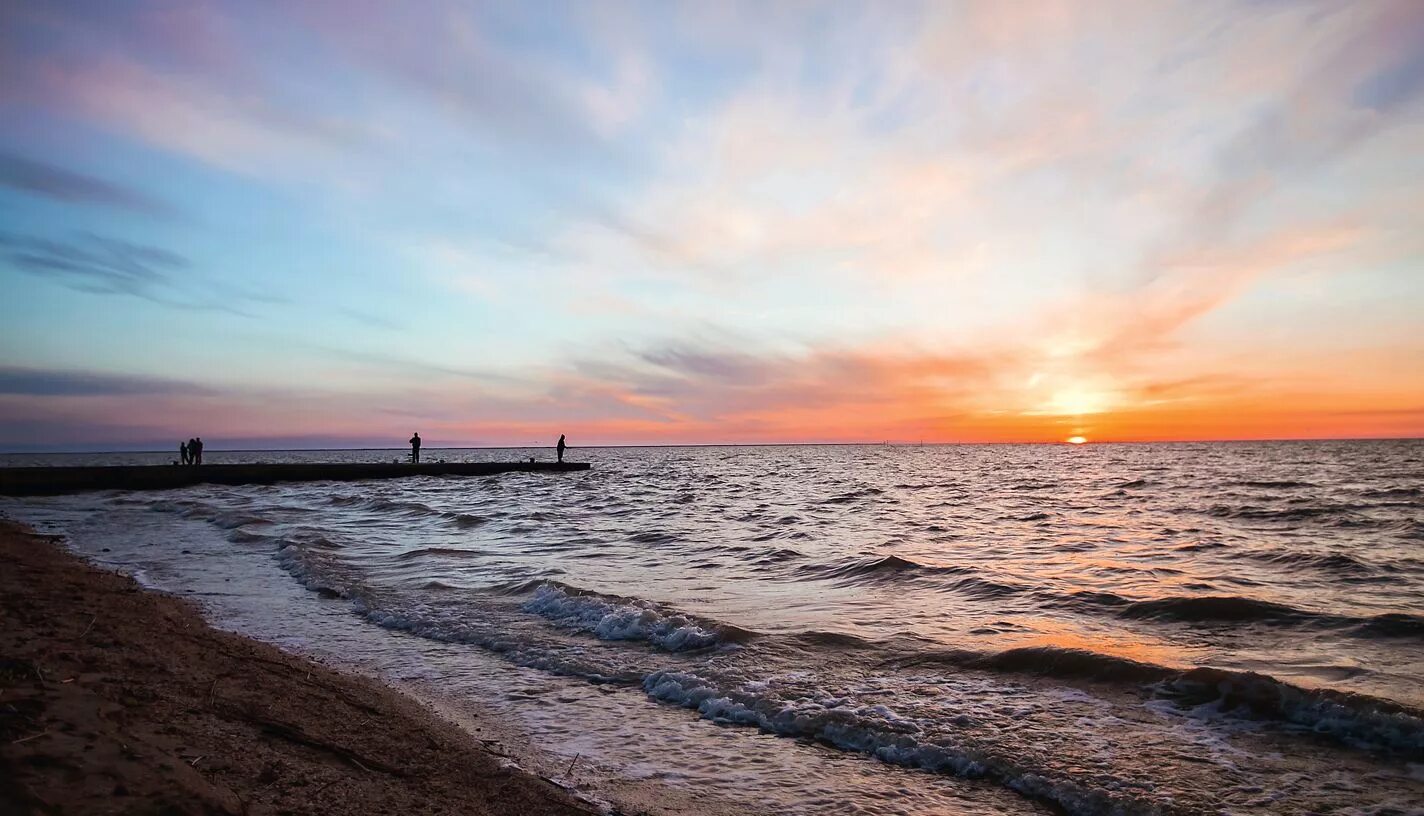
(560, 447)
(415, 449)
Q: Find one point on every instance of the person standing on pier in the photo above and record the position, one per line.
(195, 451)
(560, 447)
(183, 452)
(415, 449)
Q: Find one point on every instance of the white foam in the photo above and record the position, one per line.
(628, 620)
(317, 570)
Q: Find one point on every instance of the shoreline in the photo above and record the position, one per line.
(117, 699)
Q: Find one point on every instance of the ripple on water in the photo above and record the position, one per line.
(979, 611)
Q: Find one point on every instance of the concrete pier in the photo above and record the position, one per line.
(48, 481)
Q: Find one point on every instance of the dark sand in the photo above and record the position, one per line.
(117, 700)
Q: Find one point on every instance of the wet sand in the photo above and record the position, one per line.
(118, 700)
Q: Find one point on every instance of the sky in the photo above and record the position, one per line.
(332, 223)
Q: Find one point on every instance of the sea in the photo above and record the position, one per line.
(876, 629)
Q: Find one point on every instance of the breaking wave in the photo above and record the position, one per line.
(1352, 718)
(877, 730)
(612, 618)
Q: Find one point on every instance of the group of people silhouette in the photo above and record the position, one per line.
(191, 452)
(415, 448)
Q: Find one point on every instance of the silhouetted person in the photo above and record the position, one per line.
(560, 447)
(183, 452)
(195, 450)
(415, 449)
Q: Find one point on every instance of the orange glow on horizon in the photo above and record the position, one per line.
(898, 399)
(1076, 440)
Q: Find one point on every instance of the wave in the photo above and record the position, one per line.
(1206, 692)
(466, 520)
(410, 509)
(1254, 513)
(432, 625)
(519, 586)
(1412, 529)
(310, 537)
(771, 558)
(984, 588)
(226, 519)
(403, 508)
(1213, 608)
(1062, 662)
(836, 641)
(247, 537)
(653, 537)
(1355, 719)
(317, 569)
(1200, 546)
(424, 552)
(878, 731)
(1395, 493)
(1393, 624)
(854, 496)
(1231, 608)
(235, 519)
(614, 618)
(1336, 562)
(1234, 609)
(876, 569)
(1050, 661)
(1279, 484)
(461, 622)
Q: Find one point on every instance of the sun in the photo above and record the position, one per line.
(1076, 440)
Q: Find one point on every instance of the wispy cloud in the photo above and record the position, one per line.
(109, 266)
(47, 180)
(91, 263)
(67, 383)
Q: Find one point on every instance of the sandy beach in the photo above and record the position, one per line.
(118, 700)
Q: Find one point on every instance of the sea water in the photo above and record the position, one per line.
(1155, 628)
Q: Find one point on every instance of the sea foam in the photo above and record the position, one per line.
(621, 619)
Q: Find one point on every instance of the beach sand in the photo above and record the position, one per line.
(118, 700)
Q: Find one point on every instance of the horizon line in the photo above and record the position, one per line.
(887, 443)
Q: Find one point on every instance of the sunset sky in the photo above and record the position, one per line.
(333, 223)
